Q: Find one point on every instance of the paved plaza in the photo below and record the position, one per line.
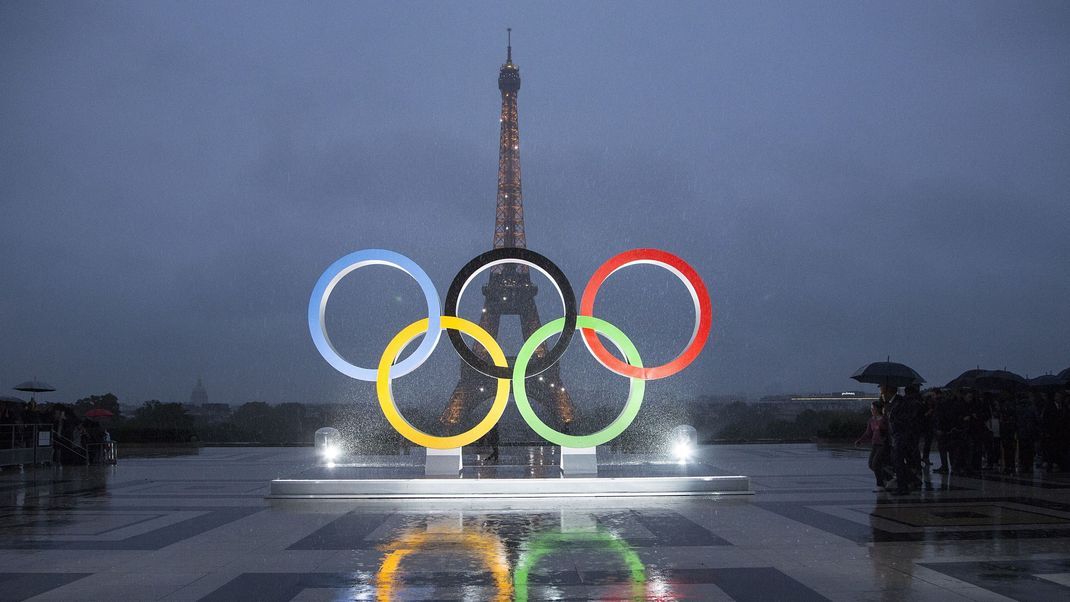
(198, 527)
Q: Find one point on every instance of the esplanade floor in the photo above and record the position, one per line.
(199, 528)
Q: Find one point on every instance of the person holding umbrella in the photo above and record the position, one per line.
(903, 417)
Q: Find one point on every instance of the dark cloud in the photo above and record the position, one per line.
(854, 181)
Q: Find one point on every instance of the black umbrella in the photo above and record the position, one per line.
(34, 386)
(1001, 380)
(1046, 382)
(887, 373)
(966, 380)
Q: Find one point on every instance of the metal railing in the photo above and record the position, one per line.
(25, 443)
(37, 444)
(103, 453)
(79, 452)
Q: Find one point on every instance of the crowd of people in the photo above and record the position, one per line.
(1010, 431)
(82, 439)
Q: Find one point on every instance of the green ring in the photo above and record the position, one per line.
(548, 542)
(635, 390)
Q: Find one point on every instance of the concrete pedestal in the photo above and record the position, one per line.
(527, 472)
(454, 487)
(443, 462)
(579, 461)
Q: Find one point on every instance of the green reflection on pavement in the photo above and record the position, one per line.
(548, 542)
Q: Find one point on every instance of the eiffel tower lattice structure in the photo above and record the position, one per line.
(510, 290)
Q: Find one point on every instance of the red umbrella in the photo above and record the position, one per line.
(99, 413)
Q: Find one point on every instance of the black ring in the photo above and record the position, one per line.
(512, 255)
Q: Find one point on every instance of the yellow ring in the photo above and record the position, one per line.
(386, 394)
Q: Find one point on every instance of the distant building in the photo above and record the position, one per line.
(199, 408)
(835, 396)
(788, 407)
(199, 396)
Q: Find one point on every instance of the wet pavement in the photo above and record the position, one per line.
(199, 527)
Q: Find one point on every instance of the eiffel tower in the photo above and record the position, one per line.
(510, 291)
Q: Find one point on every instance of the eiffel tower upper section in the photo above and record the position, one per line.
(509, 213)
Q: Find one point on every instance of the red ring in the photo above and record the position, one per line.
(699, 295)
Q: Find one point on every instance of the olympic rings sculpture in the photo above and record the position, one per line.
(527, 364)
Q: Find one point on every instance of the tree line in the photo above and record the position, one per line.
(363, 426)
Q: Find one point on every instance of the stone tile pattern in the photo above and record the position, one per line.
(198, 527)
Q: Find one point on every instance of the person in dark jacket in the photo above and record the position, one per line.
(903, 418)
(492, 440)
(1062, 441)
(948, 415)
(1008, 431)
(1048, 414)
(977, 414)
(928, 428)
(993, 449)
(1028, 431)
(919, 416)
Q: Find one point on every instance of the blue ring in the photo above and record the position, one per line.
(317, 307)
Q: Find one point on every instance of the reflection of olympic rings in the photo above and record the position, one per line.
(528, 258)
(524, 367)
(548, 542)
(484, 545)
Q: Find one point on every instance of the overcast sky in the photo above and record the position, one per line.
(852, 180)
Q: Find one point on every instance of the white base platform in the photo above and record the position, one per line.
(508, 487)
(443, 462)
(579, 461)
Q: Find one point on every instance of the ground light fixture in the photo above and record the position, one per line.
(328, 444)
(683, 442)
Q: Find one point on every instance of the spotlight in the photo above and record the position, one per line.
(682, 451)
(330, 453)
